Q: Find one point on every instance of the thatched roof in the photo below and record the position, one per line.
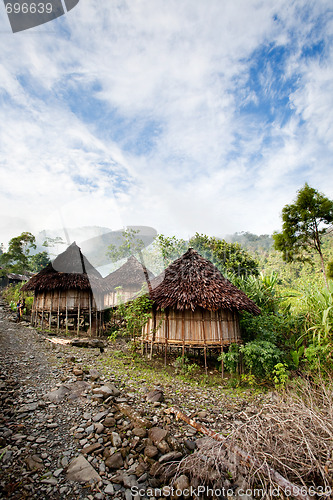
(129, 274)
(192, 281)
(70, 270)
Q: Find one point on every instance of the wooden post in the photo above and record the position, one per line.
(33, 310)
(66, 315)
(43, 310)
(222, 362)
(204, 338)
(183, 333)
(166, 335)
(50, 318)
(90, 314)
(58, 318)
(78, 315)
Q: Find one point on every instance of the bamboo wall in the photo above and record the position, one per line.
(121, 296)
(60, 300)
(198, 328)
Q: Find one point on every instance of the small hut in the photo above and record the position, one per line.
(68, 294)
(195, 306)
(124, 283)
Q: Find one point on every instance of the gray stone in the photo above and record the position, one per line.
(155, 396)
(115, 461)
(57, 472)
(140, 432)
(94, 374)
(28, 407)
(157, 434)
(173, 456)
(182, 483)
(58, 394)
(115, 439)
(151, 451)
(109, 490)
(99, 416)
(80, 470)
(109, 422)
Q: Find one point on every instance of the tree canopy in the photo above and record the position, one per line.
(18, 258)
(304, 223)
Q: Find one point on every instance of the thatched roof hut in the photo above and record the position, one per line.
(124, 283)
(68, 288)
(196, 306)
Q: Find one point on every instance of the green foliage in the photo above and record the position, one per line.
(252, 242)
(170, 248)
(248, 379)
(296, 355)
(129, 244)
(12, 294)
(135, 314)
(261, 289)
(319, 358)
(280, 376)
(228, 257)
(183, 365)
(16, 259)
(38, 261)
(329, 269)
(260, 357)
(231, 358)
(304, 223)
(315, 304)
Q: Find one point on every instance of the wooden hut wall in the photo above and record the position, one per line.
(200, 328)
(55, 301)
(117, 297)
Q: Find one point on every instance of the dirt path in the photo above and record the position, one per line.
(35, 436)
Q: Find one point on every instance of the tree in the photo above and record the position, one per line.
(304, 223)
(38, 261)
(16, 259)
(228, 257)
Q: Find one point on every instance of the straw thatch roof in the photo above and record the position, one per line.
(192, 281)
(129, 274)
(70, 270)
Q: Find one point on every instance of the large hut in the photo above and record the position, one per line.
(195, 306)
(124, 283)
(68, 294)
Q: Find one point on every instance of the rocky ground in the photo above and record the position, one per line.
(76, 423)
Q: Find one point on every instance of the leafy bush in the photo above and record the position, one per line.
(280, 375)
(135, 314)
(260, 357)
(231, 358)
(12, 294)
(319, 357)
(183, 365)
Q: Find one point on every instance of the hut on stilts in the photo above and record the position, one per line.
(195, 306)
(68, 294)
(125, 283)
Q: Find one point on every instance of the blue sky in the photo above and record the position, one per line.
(186, 116)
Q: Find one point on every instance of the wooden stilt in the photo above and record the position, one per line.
(222, 362)
(183, 334)
(166, 336)
(43, 311)
(50, 318)
(204, 339)
(78, 316)
(90, 332)
(66, 315)
(58, 317)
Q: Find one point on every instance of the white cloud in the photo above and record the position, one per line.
(182, 68)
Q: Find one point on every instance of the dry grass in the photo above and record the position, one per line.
(293, 436)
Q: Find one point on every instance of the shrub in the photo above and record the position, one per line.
(260, 357)
(231, 358)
